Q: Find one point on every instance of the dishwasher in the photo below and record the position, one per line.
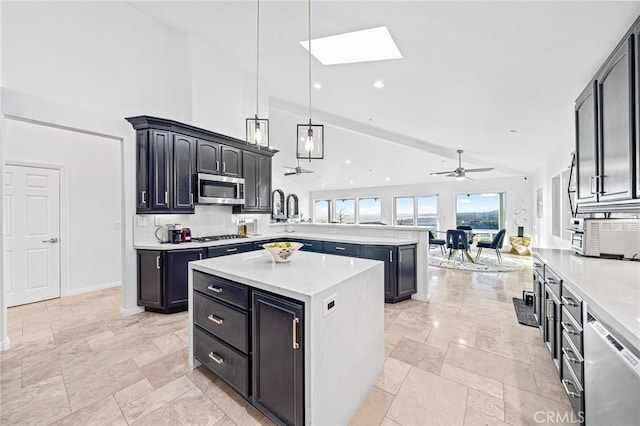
(612, 377)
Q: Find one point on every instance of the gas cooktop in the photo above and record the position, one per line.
(217, 238)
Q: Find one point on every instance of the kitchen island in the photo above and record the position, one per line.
(302, 341)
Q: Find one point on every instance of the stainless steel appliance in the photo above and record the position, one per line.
(611, 375)
(217, 237)
(175, 233)
(612, 238)
(213, 189)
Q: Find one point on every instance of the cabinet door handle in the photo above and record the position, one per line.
(294, 333)
(232, 250)
(565, 384)
(340, 248)
(308, 245)
(217, 358)
(216, 319)
(550, 313)
(144, 197)
(215, 289)
(569, 301)
(537, 265)
(157, 262)
(591, 180)
(200, 254)
(551, 280)
(569, 328)
(217, 166)
(390, 256)
(224, 167)
(569, 357)
(191, 198)
(166, 197)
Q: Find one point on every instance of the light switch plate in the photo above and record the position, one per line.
(141, 221)
(157, 221)
(330, 304)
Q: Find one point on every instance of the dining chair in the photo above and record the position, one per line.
(468, 230)
(458, 240)
(433, 241)
(495, 244)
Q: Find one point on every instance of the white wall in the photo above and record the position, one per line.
(4, 338)
(517, 189)
(91, 197)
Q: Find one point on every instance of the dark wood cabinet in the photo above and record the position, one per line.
(551, 325)
(229, 249)
(184, 160)
(160, 170)
(400, 279)
(406, 272)
(616, 125)
(142, 166)
(586, 145)
(385, 254)
(208, 157)
(231, 161)
(278, 358)
(163, 278)
(256, 170)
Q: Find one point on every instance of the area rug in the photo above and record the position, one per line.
(483, 264)
(524, 312)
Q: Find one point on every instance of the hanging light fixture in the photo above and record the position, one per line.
(257, 128)
(310, 141)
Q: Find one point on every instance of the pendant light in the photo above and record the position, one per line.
(257, 128)
(310, 137)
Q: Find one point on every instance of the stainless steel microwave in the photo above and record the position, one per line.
(214, 189)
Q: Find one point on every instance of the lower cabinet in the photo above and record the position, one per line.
(551, 325)
(163, 279)
(399, 269)
(278, 358)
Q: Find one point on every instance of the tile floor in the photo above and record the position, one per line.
(461, 359)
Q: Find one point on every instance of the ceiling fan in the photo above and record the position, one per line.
(296, 170)
(460, 172)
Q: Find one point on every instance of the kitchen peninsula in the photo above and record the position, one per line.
(302, 341)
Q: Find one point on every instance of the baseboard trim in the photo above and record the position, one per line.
(93, 288)
(421, 297)
(125, 312)
(4, 346)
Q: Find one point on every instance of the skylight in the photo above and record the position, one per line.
(374, 44)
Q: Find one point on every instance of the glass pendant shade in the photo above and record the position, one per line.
(258, 131)
(310, 143)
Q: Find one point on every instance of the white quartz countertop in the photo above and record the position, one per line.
(610, 287)
(355, 239)
(306, 275)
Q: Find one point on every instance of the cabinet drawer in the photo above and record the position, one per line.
(573, 389)
(230, 292)
(223, 360)
(553, 281)
(572, 357)
(573, 303)
(258, 245)
(572, 329)
(343, 249)
(311, 245)
(538, 266)
(222, 321)
(230, 249)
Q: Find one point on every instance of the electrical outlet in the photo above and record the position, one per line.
(141, 221)
(157, 221)
(330, 304)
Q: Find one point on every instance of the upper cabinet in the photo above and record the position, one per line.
(607, 123)
(170, 154)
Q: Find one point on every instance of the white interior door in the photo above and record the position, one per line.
(32, 230)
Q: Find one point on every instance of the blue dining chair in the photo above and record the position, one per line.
(458, 240)
(433, 241)
(468, 230)
(495, 244)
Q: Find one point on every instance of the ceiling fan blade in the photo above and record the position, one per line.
(290, 173)
(306, 171)
(442, 173)
(290, 167)
(452, 174)
(482, 169)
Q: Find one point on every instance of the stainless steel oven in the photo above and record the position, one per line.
(213, 189)
(610, 238)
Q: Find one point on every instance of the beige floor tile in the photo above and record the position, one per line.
(169, 343)
(206, 381)
(190, 408)
(472, 380)
(503, 346)
(492, 366)
(105, 411)
(393, 375)
(183, 335)
(453, 330)
(526, 408)
(547, 379)
(474, 417)
(131, 393)
(80, 332)
(95, 386)
(388, 422)
(421, 355)
(486, 403)
(237, 409)
(149, 356)
(147, 404)
(41, 403)
(416, 401)
(166, 369)
(373, 409)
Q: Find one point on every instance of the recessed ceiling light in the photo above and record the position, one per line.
(323, 185)
(317, 86)
(348, 161)
(387, 179)
(374, 44)
(379, 84)
(350, 181)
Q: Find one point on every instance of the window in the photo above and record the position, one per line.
(369, 210)
(480, 211)
(345, 210)
(427, 211)
(404, 211)
(321, 211)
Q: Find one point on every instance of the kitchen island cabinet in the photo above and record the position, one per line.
(316, 332)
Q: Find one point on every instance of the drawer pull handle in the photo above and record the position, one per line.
(569, 328)
(569, 301)
(216, 319)
(230, 250)
(551, 280)
(537, 265)
(550, 311)
(340, 248)
(215, 289)
(570, 358)
(565, 384)
(216, 358)
(308, 245)
(294, 333)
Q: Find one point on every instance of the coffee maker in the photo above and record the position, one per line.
(175, 233)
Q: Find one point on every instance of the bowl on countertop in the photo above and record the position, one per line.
(282, 252)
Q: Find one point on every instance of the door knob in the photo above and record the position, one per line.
(52, 240)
